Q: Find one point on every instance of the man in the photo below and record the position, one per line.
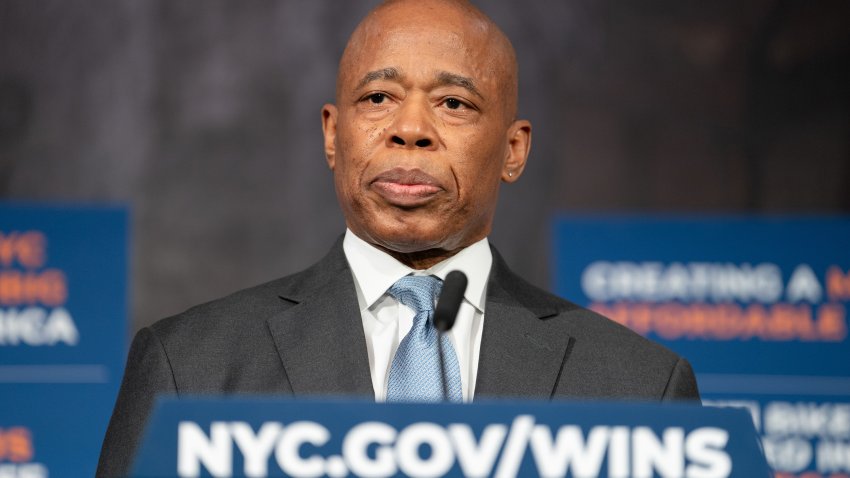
(422, 134)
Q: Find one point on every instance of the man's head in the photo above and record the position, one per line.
(424, 128)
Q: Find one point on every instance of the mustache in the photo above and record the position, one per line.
(407, 177)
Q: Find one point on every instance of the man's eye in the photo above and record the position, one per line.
(377, 98)
(453, 103)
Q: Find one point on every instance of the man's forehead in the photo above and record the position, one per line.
(449, 39)
(418, 51)
(410, 37)
(455, 24)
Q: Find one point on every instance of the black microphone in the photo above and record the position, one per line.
(445, 314)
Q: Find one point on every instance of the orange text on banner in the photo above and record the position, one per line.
(837, 284)
(47, 287)
(25, 248)
(15, 444)
(777, 322)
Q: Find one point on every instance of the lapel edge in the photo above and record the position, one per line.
(319, 338)
(522, 353)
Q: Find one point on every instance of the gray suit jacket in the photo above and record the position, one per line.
(302, 335)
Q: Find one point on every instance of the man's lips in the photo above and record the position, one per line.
(406, 187)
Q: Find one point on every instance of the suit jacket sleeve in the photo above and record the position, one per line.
(682, 385)
(147, 374)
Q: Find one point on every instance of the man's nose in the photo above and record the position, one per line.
(413, 126)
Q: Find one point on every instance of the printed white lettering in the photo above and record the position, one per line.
(195, 448)
(833, 456)
(23, 470)
(377, 449)
(787, 454)
(256, 448)
(288, 448)
(653, 455)
(569, 448)
(804, 285)
(477, 459)
(357, 441)
(515, 446)
(704, 449)
(807, 419)
(605, 281)
(35, 326)
(412, 438)
(618, 453)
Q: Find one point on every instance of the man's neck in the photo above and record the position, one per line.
(420, 260)
(375, 270)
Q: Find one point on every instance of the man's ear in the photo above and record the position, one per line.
(519, 144)
(329, 116)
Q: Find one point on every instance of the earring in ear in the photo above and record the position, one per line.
(510, 174)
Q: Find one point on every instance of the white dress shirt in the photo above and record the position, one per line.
(386, 321)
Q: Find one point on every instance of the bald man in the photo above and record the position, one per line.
(423, 133)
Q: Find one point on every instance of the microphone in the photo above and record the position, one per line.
(445, 314)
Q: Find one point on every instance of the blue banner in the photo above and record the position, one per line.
(63, 335)
(266, 437)
(757, 304)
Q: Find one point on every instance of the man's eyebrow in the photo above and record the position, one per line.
(446, 78)
(383, 74)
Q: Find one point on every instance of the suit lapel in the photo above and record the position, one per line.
(521, 354)
(322, 346)
(320, 339)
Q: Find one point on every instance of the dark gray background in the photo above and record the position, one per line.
(203, 115)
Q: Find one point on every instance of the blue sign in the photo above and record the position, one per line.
(63, 332)
(802, 435)
(266, 437)
(757, 304)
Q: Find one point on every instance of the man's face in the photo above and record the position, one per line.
(422, 133)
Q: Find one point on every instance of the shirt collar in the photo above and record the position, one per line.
(375, 271)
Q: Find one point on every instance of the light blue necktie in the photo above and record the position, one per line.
(415, 372)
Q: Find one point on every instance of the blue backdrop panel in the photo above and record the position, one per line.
(63, 315)
(757, 304)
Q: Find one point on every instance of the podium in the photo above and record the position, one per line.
(256, 437)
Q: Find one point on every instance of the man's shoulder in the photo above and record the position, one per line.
(236, 308)
(251, 307)
(582, 321)
(585, 326)
(601, 358)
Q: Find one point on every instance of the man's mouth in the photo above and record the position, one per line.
(406, 187)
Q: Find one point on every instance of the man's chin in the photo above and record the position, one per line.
(408, 244)
(417, 245)
(405, 240)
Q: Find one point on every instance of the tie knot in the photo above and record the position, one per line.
(417, 292)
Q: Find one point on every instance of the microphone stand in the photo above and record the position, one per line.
(440, 335)
(445, 314)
